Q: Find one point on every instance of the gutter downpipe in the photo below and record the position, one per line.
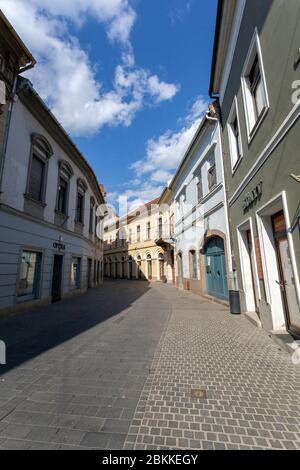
(8, 121)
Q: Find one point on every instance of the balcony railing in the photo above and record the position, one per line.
(163, 234)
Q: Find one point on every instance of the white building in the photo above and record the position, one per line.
(139, 245)
(201, 221)
(50, 211)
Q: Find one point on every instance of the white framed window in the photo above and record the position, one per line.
(254, 87)
(29, 276)
(212, 174)
(234, 136)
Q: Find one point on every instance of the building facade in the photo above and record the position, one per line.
(255, 76)
(202, 245)
(51, 211)
(139, 245)
(15, 58)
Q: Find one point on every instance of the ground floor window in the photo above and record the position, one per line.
(30, 274)
(75, 273)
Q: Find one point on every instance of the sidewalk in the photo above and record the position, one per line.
(252, 387)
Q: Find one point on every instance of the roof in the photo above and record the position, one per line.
(216, 46)
(44, 115)
(14, 43)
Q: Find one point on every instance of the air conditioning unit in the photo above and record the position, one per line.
(2, 93)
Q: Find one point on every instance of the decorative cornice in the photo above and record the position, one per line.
(66, 168)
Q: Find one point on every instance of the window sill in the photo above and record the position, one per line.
(35, 201)
(61, 214)
(236, 166)
(257, 125)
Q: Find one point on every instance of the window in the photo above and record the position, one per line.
(130, 236)
(254, 87)
(92, 205)
(235, 141)
(193, 264)
(149, 231)
(199, 189)
(79, 208)
(30, 272)
(160, 227)
(36, 181)
(75, 273)
(41, 151)
(138, 233)
(212, 176)
(62, 196)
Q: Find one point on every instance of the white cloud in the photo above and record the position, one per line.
(163, 155)
(64, 75)
(165, 152)
(161, 91)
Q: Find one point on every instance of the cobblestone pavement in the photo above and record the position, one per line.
(116, 366)
(253, 389)
(76, 369)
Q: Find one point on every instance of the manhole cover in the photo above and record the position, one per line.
(199, 394)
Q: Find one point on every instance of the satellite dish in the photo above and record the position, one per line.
(2, 93)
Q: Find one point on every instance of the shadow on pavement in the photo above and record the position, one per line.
(31, 333)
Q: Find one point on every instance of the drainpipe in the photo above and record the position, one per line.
(6, 132)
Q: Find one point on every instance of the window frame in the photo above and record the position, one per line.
(81, 190)
(37, 281)
(234, 114)
(79, 274)
(138, 233)
(41, 150)
(212, 166)
(252, 123)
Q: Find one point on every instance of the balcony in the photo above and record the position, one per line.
(164, 235)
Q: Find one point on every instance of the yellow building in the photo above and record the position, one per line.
(139, 245)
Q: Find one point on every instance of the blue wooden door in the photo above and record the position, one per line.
(216, 275)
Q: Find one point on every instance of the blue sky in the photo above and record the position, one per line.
(128, 80)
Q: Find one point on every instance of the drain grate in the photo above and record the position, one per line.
(199, 394)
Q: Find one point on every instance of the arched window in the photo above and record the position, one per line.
(41, 152)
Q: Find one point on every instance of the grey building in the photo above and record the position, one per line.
(51, 210)
(255, 76)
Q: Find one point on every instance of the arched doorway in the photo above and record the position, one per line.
(161, 264)
(139, 267)
(149, 266)
(130, 268)
(122, 268)
(215, 262)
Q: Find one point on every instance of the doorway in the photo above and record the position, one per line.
(180, 270)
(286, 276)
(89, 274)
(216, 274)
(57, 278)
(161, 260)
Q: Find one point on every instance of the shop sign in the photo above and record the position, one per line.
(59, 246)
(252, 197)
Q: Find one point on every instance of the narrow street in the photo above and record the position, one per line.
(116, 367)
